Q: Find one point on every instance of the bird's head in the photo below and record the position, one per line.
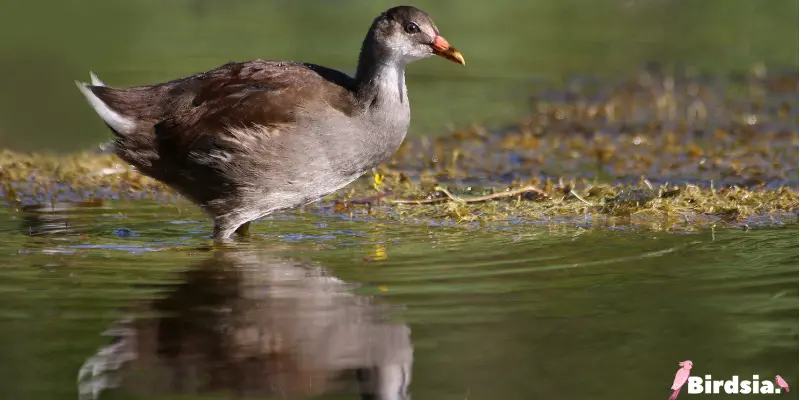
(408, 34)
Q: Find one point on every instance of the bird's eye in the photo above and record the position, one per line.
(411, 27)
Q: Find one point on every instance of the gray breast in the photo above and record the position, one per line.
(349, 147)
(300, 168)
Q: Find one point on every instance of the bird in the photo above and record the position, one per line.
(247, 139)
(782, 383)
(680, 378)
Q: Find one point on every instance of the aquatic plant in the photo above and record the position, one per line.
(657, 150)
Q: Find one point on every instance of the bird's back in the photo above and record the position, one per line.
(282, 85)
(212, 132)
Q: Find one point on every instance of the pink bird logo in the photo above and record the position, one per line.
(680, 378)
(782, 383)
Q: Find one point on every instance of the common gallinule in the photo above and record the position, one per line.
(246, 139)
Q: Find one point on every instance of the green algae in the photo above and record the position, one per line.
(669, 207)
(578, 201)
(658, 151)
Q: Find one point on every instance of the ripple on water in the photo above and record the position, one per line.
(516, 290)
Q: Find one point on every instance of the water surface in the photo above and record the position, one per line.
(317, 304)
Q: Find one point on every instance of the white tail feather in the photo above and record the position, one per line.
(95, 80)
(118, 122)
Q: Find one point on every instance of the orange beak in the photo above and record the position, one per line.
(443, 49)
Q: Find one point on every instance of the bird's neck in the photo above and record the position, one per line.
(380, 77)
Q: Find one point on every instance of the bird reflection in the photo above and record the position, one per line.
(49, 219)
(251, 324)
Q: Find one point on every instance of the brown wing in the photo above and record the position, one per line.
(243, 95)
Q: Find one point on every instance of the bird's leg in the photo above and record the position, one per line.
(243, 229)
(224, 228)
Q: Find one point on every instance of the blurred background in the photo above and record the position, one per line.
(511, 48)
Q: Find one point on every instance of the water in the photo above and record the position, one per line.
(312, 301)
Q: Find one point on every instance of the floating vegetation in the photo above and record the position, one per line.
(657, 150)
(579, 202)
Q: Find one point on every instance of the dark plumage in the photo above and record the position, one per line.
(246, 139)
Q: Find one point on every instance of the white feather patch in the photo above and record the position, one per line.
(117, 122)
(95, 80)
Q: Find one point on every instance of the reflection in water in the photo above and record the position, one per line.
(251, 324)
(487, 305)
(50, 219)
